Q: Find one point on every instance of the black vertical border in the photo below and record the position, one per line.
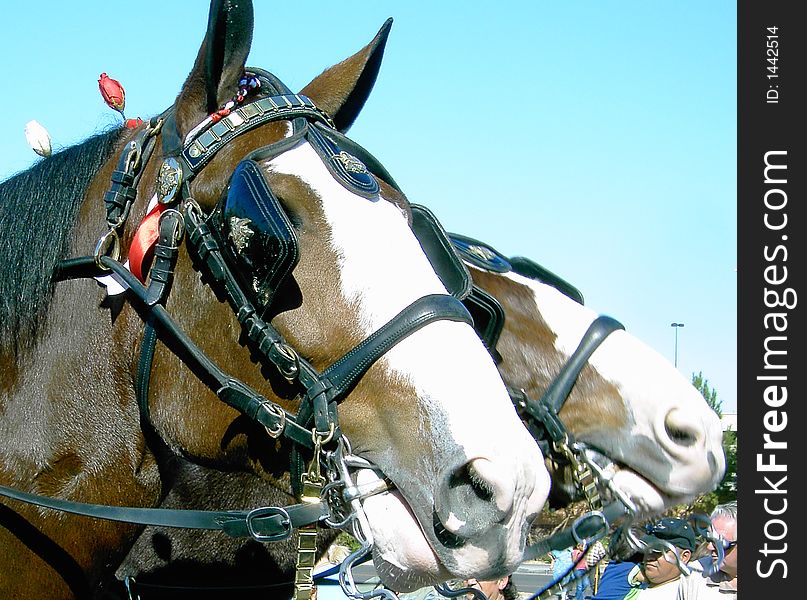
(765, 126)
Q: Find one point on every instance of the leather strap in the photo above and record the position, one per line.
(267, 524)
(231, 391)
(561, 386)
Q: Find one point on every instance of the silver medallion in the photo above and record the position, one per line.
(240, 233)
(350, 163)
(168, 180)
(481, 252)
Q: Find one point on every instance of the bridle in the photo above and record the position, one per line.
(314, 429)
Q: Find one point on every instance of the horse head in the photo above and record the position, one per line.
(354, 333)
(643, 423)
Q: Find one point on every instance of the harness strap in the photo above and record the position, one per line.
(561, 386)
(127, 174)
(204, 146)
(346, 372)
(267, 524)
(233, 392)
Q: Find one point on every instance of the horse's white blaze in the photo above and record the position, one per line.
(467, 412)
(372, 236)
(655, 392)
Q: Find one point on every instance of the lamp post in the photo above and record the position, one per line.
(676, 326)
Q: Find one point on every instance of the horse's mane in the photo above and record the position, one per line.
(38, 209)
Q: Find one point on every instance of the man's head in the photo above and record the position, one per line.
(659, 563)
(724, 522)
(495, 589)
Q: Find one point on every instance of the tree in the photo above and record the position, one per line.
(702, 385)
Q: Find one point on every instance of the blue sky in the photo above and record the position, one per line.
(595, 137)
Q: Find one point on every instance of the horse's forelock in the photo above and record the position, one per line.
(38, 211)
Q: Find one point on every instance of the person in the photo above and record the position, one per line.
(580, 571)
(595, 562)
(561, 568)
(496, 589)
(614, 583)
(659, 570)
(718, 582)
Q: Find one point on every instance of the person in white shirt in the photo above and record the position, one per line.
(717, 581)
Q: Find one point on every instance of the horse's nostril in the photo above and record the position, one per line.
(681, 436)
(468, 475)
(473, 498)
(681, 429)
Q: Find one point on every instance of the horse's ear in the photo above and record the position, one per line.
(219, 64)
(342, 90)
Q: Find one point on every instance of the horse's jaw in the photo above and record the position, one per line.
(669, 449)
(404, 553)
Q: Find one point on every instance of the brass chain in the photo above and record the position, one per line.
(313, 483)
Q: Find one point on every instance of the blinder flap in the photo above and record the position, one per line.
(444, 260)
(488, 316)
(255, 234)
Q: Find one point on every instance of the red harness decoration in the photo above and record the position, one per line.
(145, 238)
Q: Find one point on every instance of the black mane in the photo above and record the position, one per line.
(38, 209)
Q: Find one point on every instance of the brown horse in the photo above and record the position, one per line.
(325, 286)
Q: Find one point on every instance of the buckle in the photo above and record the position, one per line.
(582, 523)
(269, 511)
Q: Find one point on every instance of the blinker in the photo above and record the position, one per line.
(255, 234)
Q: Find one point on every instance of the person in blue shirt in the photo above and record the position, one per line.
(562, 566)
(614, 582)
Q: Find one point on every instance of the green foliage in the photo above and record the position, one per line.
(702, 385)
(727, 490)
(345, 539)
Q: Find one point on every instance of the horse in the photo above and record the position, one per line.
(277, 316)
(648, 435)
(631, 410)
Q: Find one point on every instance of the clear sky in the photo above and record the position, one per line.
(595, 137)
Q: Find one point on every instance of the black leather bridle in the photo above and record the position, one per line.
(316, 423)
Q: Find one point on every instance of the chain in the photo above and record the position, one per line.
(313, 483)
(582, 474)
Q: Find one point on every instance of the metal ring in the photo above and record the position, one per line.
(292, 370)
(596, 514)
(323, 440)
(109, 240)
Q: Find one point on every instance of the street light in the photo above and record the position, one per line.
(676, 326)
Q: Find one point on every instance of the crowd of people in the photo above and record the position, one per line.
(657, 573)
(671, 548)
